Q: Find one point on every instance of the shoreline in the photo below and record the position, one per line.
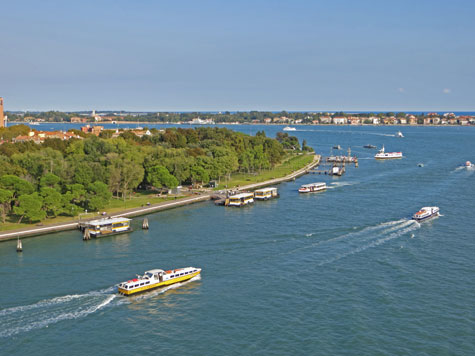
(73, 224)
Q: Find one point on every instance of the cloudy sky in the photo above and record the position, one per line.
(154, 55)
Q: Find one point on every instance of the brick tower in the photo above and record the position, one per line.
(2, 118)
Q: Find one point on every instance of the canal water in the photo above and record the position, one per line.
(343, 272)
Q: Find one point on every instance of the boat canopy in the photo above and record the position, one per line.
(265, 190)
(241, 195)
(108, 221)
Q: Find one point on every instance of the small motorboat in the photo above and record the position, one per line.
(399, 134)
(469, 164)
(156, 278)
(426, 212)
(337, 147)
(420, 165)
(288, 128)
(369, 146)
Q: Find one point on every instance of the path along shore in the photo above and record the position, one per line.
(73, 224)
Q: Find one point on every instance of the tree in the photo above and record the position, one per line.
(158, 176)
(6, 197)
(30, 208)
(98, 196)
(52, 201)
(199, 174)
(50, 180)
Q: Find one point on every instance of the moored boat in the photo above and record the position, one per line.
(240, 199)
(108, 226)
(312, 187)
(425, 213)
(288, 128)
(156, 278)
(266, 193)
(387, 155)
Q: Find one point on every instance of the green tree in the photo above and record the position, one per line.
(98, 196)
(30, 208)
(158, 176)
(52, 201)
(6, 197)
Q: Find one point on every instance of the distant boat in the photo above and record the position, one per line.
(369, 146)
(312, 187)
(34, 123)
(399, 134)
(426, 213)
(337, 147)
(469, 165)
(420, 165)
(387, 155)
(288, 128)
(19, 246)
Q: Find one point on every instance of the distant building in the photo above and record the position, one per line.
(95, 130)
(339, 120)
(41, 136)
(77, 119)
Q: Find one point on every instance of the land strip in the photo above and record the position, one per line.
(71, 225)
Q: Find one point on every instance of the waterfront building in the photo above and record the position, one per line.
(95, 130)
(339, 120)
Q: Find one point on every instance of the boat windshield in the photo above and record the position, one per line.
(149, 275)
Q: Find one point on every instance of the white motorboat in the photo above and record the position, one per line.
(399, 134)
(425, 213)
(288, 128)
(387, 155)
(312, 187)
(469, 164)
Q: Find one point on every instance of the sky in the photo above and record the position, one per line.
(157, 55)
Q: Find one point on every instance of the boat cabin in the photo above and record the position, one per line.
(266, 193)
(240, 199)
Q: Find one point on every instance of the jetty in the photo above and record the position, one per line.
(198, 197)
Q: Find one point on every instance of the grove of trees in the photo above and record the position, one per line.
(66, 177)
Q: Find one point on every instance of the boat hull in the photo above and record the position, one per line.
(111, 233)
(425, 217)
(157, 285)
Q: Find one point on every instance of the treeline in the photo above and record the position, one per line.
(67, 177)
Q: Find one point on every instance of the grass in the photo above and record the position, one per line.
(291, 164)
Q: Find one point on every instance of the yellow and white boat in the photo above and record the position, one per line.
(108, 226)
(240, 199)
(156, 278)
(266, 193)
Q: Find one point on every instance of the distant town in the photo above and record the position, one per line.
(250, 117)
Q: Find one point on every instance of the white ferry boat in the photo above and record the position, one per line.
(156, 278)
(266, 193)
(426, 212)
(387, 155)
(108, 226)
(288, 128)
(312, 187)
(399, 134)
(240, 199)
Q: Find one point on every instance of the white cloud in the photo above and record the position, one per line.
(446, 91)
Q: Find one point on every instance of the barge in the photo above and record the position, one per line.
(156, 278)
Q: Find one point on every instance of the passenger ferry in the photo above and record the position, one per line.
(387, 155)
(266, 193)
(156, 278)
(426, 212)
(108, 226)
(313, 187)
(240, 199)
(288, 128)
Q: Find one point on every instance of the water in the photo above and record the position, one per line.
(341, 272)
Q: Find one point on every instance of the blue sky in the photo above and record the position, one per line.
(153, 55)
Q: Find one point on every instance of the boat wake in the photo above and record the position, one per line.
(24, 318)
(335, 248)
(50, 311)
(335, 185)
